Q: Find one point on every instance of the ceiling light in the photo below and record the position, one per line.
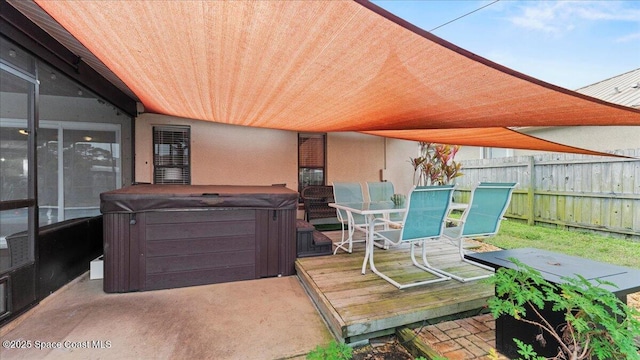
(79, 92)
(12, 53)
(87, 138)
(53, 76)
(23, 132)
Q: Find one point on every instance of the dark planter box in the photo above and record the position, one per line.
(508, 328)
(553, 267)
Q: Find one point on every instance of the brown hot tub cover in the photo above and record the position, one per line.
(140, 198)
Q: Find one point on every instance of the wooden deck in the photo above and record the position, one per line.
(357, 307)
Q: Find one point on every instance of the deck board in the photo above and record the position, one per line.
(358, 306)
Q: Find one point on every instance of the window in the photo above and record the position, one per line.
(17, 184)
(311, 160)
(60, 147)
(78, 146)
(171, 159)
(493, 153)
(76, 163)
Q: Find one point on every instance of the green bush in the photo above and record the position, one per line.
(598, 325)
(333, 351)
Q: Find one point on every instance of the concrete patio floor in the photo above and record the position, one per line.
(258, 319)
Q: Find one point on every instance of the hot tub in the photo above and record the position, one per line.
(166, 236)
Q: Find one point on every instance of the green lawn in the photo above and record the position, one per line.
(514, 234)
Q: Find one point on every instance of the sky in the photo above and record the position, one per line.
(566, 43)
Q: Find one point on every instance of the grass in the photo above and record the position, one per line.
(514, 234)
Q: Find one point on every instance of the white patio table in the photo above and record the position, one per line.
(370, 210)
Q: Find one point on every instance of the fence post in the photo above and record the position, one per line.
(531, 192)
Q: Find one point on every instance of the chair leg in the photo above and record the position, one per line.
(425, 266)
(461, 249)
(440, 277)
(462, 258)
(370, 242)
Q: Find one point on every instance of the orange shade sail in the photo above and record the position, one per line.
(488, 137)
(319, 66)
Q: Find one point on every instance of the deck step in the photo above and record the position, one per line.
(311, 242)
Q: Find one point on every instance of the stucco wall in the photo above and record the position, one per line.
(599, 138)
(263, 156)
(360, 158)
(399, 169)
(354, 157)
(227, 154)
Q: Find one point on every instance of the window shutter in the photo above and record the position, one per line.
(171, 155)
(311, 151)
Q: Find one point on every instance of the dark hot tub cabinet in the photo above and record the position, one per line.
(166, 236)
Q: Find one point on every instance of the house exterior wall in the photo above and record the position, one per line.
(224, 154)
(353, 157)
(599, 138)
(399, 169)
(229, 154)
(469, 153)
(254, 156)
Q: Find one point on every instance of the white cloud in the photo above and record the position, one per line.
(603, 10)
(556, 17)
(541, 17)
(628, 38)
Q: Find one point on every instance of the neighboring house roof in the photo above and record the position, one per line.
(623, 89)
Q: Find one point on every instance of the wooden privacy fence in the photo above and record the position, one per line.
(567, 190)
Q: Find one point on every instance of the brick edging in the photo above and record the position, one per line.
(414, 344)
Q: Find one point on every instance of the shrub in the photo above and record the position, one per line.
(333, 351)
(436, 164)
(598, 325)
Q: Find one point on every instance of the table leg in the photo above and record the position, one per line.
(368, 245)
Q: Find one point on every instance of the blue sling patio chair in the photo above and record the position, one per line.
(427, 209)
(383, 191)
(348, 192)
(481, 219)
